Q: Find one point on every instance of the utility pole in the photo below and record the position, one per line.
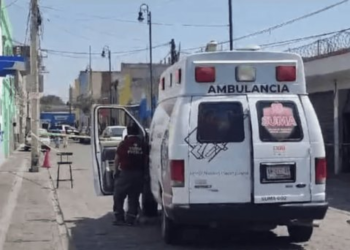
(230, 23)
(144, 8)
(70, 99)
(110, 77)
(89, 78)
(34, 28)
(90, 67)
(173, 53)
(103, 54)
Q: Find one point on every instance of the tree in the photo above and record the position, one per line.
(51, 100)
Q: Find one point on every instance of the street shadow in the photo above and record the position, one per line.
(88, 233)
(338, 192)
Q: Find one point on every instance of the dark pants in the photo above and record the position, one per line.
(127, 184)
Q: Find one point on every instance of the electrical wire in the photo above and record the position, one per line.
(300, 39)
(80, 55)
(272, 28)
(10, 4)
(27, 27)
(96, 53)
(137, 22)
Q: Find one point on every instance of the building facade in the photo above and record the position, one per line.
(83, 80)
(135, 88)
(8, 95)
(94, 87)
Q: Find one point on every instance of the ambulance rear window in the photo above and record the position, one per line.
(279, 121)
(220, 122)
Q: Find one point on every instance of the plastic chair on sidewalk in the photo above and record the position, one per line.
(64, 162)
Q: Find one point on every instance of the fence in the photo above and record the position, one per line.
(334, 45)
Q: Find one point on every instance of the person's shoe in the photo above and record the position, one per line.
(130, 221)
(118, 222)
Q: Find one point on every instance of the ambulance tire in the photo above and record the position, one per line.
(300, 234)
(149, 204)
(170, 231)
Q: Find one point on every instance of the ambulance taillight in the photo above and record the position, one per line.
(205, 74)
(177, 173)
(320, 170)
(286, 73)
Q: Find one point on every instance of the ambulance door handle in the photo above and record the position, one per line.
(301, 185)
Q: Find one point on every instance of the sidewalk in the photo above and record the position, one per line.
(338, 189)
(27, 217)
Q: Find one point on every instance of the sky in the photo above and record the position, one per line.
(74, 25)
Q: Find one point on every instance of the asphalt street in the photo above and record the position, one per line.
(89, 220)
(33, 215)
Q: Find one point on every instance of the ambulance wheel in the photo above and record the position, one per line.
(299, 234)
(150, 207)
(170, 231)
(149, 204)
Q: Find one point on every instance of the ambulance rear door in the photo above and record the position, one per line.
(281, 146)
(219, 143)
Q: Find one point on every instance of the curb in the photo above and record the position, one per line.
(339, 211)
(65, 239)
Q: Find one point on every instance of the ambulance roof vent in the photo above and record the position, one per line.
(211, 46)
(250, 48)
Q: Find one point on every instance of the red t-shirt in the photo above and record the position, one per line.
(130, 153)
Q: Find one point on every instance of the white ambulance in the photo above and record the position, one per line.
(235, 141)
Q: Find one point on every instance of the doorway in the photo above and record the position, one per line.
(345, 146)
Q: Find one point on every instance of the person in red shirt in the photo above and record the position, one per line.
(130, 168)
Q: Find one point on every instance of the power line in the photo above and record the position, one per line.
(137, 22)
(108, 33)
(10, 4)
(27, 26)
(98, 53)
(267, 30)
(300, 39)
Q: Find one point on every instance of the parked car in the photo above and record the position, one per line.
(66, 129)
(112, 135)
(44, 139)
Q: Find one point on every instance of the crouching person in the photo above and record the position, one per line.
(129, 166)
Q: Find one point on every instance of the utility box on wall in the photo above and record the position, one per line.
(23, 51)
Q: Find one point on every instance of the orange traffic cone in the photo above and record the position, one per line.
(46, 163)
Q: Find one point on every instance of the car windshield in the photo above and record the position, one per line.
(117, 132)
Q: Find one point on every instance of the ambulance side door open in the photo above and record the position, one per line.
(103, 154)
(281, 146)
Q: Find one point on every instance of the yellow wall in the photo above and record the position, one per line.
(125, 90)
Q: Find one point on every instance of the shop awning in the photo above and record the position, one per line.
(10, 64)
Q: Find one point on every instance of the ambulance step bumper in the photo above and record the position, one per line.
(203, 214)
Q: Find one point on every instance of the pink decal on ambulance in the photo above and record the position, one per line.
(279, 121)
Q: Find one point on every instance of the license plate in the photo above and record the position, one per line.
(278, 173)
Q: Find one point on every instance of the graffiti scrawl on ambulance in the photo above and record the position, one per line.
(203, 151)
